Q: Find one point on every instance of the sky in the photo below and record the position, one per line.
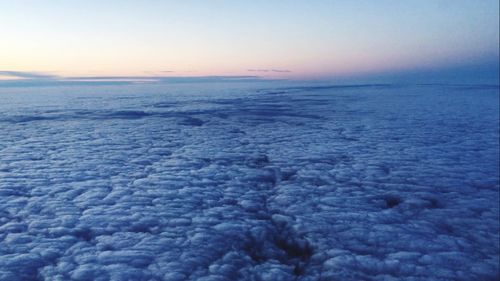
(269, 38)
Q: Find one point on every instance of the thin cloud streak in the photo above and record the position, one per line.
(32, 79)
(269, 70)
(27, 75)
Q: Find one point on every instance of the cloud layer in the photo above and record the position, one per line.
(234, 181)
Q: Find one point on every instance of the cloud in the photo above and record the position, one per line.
(158, 72)
(27, 75)
(269, 70)
(38, 80)
(280, 70)
(162, 78)
(195, 193)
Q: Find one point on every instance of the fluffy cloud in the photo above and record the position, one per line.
(229, 182)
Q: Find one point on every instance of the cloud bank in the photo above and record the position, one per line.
(237, 182)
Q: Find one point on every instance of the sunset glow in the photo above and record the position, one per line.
(297, 39)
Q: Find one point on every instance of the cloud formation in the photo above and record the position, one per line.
(269, 70)
(286, 183)
(27, 75)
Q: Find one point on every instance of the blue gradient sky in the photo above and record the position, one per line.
(297, 39)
